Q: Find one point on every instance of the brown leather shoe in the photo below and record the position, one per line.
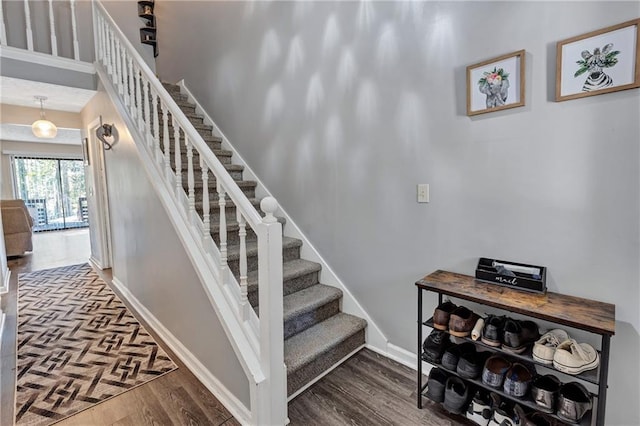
(441, 315)
(461, 322)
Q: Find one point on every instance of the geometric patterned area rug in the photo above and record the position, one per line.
(78, 345)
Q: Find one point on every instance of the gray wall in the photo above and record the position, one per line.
(150, 260)
(342, 108)
(125, 13)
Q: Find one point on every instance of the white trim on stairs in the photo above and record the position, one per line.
(375, 339)
(235, 407)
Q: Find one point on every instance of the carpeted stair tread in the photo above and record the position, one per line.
(307, 346)
(290, 270)
(242, 184)
(233, 251)
(229, 206)
(309, 299)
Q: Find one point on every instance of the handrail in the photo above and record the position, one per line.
(142, 96)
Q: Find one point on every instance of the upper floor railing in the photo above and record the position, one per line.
(170, 140)
(47, 27)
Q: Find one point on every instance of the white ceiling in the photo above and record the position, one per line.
(16, 91)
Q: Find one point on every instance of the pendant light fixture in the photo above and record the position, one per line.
(43, 128)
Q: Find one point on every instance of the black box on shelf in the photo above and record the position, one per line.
(520, 276)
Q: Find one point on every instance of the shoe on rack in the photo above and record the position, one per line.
(456, 395)
(462, 321)
(479, 410)
(573, 402)
(544, 390)
(535, 418)
(436, 383)
(493, 331)
(494, 370)
(505, 415)
(441, 315)
(452, 354)
(545, 348)
(517, 380)
(471, 363)
(572, 357)
(434, 346)
(519, 334)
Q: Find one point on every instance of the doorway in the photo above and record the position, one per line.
(53, 190)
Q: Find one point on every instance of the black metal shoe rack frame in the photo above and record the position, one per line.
(578, 313)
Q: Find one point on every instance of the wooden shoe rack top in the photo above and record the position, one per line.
(581, 314)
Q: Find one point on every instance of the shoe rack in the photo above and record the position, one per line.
(563, 310)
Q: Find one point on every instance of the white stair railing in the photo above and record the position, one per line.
(152, 110)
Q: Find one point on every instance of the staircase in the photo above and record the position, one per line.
(317, 335)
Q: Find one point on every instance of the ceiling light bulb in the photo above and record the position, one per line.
(43, 128)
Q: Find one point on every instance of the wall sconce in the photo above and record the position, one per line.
(107, 131)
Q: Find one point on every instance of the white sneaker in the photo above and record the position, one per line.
(479, 410)
(545, 347)
(572, 357)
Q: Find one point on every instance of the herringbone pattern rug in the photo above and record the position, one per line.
(78, 345)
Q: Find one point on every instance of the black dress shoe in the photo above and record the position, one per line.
(434, 346)
(493, 331)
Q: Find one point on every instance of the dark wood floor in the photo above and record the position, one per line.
(368, 389)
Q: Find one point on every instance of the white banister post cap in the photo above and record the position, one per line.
(269, 205)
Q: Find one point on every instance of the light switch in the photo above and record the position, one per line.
(423, 192)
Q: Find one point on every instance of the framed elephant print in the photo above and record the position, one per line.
(602, 61)
(496, 84)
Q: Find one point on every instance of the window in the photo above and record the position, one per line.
(53, 190)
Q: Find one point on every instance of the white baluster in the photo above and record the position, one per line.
(178, 156)
(190, 183)
(242, 233)
(113, 57)
(119, 67)
(3, 30)
(206, 219)
(98, 32)
(165, 140)
(105, 42)
(52, 28)
(156, 125)
(132, 89)
(147, 114)
(126, 87)
(222, 233)
(138, 98)
(74, 29)
(27, 19)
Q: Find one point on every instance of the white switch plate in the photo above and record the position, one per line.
(423, 192)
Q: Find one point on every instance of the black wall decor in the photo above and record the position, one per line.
(148, 32)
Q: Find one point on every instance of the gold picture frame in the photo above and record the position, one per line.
(598, 62)
(496, 84)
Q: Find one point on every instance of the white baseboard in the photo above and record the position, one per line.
(95, 263)
(235, 407)
(402, 356)
(3, 317)
(4, 288)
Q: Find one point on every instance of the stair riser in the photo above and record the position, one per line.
(235, 175)
(213, 144)
(233, 236)
(307, 319)
(214, 210)
(289, 253)
(297, 379)
(288, 286)
(213, 195)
